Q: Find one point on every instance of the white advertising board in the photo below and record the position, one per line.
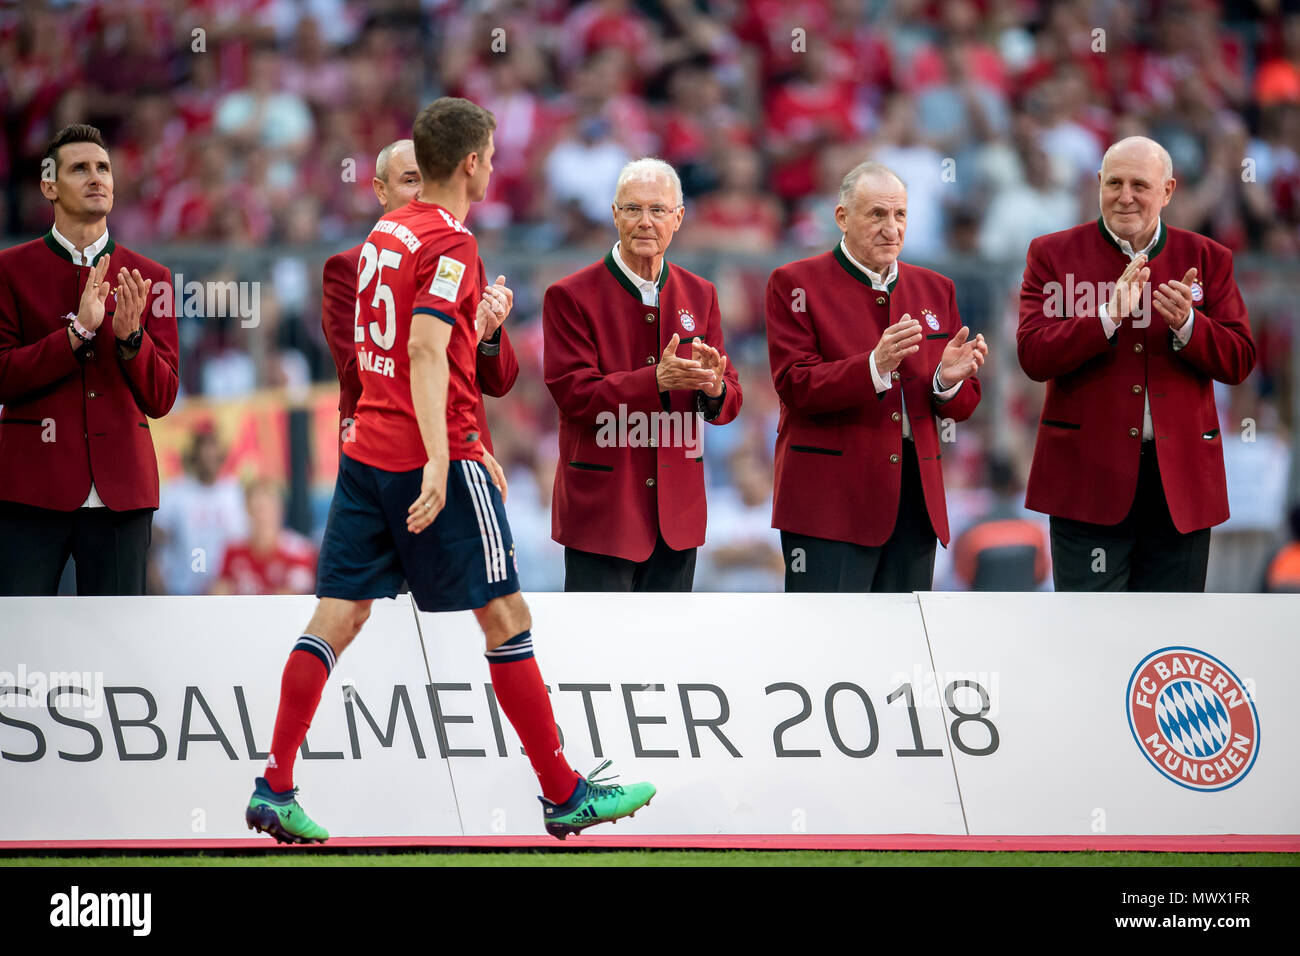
(1206, 746)
(181, 705)
(809, 743)
(752, 714)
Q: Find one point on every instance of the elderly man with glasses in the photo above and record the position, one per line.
(635, 360)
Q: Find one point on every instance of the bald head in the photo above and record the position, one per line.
(1137, 182)
(397, 175)
(1140, 149)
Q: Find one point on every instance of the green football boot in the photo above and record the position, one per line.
(594, 801)
(280, 815)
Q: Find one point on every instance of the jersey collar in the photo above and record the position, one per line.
(864, 275)
(614, 263)
(1153, 248)
(61, 246)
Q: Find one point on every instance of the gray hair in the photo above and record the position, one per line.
(385, 154)
(652, 170)
(858, 172)
(1167, 164)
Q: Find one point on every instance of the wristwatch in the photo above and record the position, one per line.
(133, 340)
(492, 344)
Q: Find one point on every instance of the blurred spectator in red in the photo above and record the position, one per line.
(805, 114)
(1283, 574)
(613, 26)
(1006, 549)
(1278, 79)
(697, 126)
(272, 559)
(739, 216)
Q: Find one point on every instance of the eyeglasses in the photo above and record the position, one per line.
(632, 211)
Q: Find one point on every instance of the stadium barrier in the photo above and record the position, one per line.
(780, 716)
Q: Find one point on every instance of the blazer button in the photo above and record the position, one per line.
(1133, 433)
(649, 360)
(896, 417)
(649, 316)
(1137, 389)
(893, 459)
(1137, 346)
(649, 482)
(896, 376)
(91, 394)
(90, 353)
(880, 300)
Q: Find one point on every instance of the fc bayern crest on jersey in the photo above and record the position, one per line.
(1193, 719)
(1197, 292)
(686, 319)
(931, 320)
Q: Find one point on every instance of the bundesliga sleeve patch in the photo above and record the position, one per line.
(446, 278)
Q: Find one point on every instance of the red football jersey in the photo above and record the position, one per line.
(417, 259)
(290, 568)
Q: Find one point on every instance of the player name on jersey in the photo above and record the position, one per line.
(379, 364)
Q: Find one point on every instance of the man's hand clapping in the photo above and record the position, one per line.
(1127, 297)
(674, 372)
(712, 360)
(900, 340)
(493, 308)
(962, 358)
(1173, 300)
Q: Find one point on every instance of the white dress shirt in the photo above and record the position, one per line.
(94, 249)
(649, 287)
(1181, 336)
(884, 383)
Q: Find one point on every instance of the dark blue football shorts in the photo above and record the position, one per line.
(460, 562)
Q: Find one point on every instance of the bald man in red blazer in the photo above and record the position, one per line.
(396, 182)
(626, 339)
(1130, 322)
(866, 353)
(88, 354)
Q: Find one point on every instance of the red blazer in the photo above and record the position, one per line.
(601, 350)
(839, 444)
(71, 416)
(1089, 438)
(496, 373)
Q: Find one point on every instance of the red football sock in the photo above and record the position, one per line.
(517, 683)
(304, 679)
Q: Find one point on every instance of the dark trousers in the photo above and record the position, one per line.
(903, 563)
(1144, 552)
(108, 546)
(664, 570)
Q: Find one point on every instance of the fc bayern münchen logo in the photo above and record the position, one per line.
(931, 319)
(688, 320)
(1193, 719)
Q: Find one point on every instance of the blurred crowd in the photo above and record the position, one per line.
(251, 126)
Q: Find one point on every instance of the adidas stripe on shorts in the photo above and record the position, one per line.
(460, 562)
